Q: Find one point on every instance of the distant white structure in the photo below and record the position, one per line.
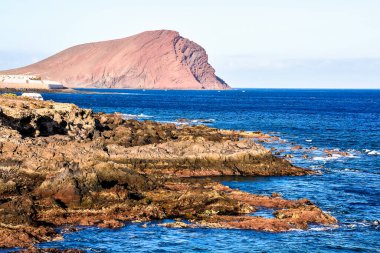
(35, 96)
(27, 82)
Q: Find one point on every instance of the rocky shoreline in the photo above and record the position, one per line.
(61, 165)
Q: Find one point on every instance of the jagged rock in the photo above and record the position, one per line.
(204, 158)
(32, 118)
(102, 170)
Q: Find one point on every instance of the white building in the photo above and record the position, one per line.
(27, 82)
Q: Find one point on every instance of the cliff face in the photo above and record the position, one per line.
(150, 60)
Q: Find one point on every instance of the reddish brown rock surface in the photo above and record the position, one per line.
(62, 165)
(49, 250)
(150, 60)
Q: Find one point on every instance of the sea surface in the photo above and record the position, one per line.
(349, 188)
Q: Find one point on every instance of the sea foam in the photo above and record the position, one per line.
(136, 116)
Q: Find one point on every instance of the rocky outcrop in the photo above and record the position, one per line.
(150, 60)
(202, 157)
(32, 119)
(77, 167)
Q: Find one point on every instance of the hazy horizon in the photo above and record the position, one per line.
(251, 44)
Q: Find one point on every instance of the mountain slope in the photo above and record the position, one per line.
(159, 59)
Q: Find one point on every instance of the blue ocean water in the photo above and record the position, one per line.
(349, 188)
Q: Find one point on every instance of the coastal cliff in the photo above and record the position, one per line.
(150, 60)
(61, 165)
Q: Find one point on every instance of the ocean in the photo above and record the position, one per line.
(349, 188)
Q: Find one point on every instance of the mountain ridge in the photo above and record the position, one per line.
(160, 59)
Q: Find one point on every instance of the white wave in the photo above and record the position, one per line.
(315, 167)
(184, 121)
(326, 158)
(203, 120)
(296, 230)
(364, 223)
(136, 116)
(333, 157)
(121, 93)
(372, 152)
(308, 140)
(354, 152)
(173, 122)
(352, 170)
(324, 228)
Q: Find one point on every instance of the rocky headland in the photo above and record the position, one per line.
(159, 59)
(61, 165)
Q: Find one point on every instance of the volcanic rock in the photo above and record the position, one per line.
(101, 170)
(150, 60)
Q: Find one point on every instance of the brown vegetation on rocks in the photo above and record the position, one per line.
(63, 165)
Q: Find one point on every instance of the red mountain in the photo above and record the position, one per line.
(150, 60)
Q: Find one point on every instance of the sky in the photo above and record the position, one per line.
(252, 43)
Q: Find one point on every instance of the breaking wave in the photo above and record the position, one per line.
(371, 152)
(136, 116)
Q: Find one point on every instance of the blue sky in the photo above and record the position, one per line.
(266, 43)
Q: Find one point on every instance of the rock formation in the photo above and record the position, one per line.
(150, 60)
(61, 165)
